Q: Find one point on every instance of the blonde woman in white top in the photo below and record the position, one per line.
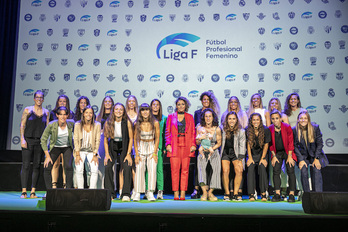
(256, 106)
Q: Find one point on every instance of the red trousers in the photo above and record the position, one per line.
(181, 162)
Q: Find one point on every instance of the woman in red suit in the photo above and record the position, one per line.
(181, 145)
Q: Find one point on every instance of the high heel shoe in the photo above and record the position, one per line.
(182, 198)
(176, 198)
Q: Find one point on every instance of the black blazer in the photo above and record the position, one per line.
(314, 150)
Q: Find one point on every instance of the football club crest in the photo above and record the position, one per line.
(83, 3)
(261, 77)
(94, 92)
(160, 93)
(343, 108)
(146, 3)
(227, 93)
(110, 77)
(330, 60)
(261, 16)
(276, 16)
(201, 18)
(313, 92)
(127, 48)
(128, 32)
(65, 32)
(127, 62)
(19, 107)
(125, 78)
(64, 62)
(100, 18)
(161, 3)
(140, 77)
(56, 17)
(295, 60)
(42, 17)
(80, 62)
(323, 76)
(339, 76)
(331, 125)
(200, 77)
(292, 77)
(143, 18)
(245, 77)
(96, 62)
(66, 77)
(291, 15)
(170, 109)
(313, 60)
(258, 2)
(129, 17)
(96, 32)
(96, 77)
(327, 108)
(185, 78)
(54, 46)
(45, 92)
(331, 93)
(210, 2)
(130, 3)
(22, 76)
(177, 3)
(81, 32)
(39, 47)
(261, 30)
(176, 93)
(113, 47)
(327, 44)
(342, 44)
(98, 47)
(126, 93)
(25, 46)
(215, 78)
(241, 3)
(328, 29)
(216, 17)
(246, 16)
(187, 17)
(345, 142)
(48, 61)
(225, 2)
(114, 18)
(52, 77)
(276, 77)
(172, 17)
(61, 92)
(261, 92)
(244, 93)
(69, 47)
(37, 76)
(143, 93)
(77, 93)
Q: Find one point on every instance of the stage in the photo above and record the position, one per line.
(164, 215)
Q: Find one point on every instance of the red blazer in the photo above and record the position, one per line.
(172, 134)
(288, 139)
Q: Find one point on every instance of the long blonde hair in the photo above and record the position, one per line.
(310, 129)
(251, 109)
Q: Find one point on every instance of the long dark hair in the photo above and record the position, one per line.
(213, 102)
(159, 115)
(251, 131)
(228, 130)
(109, 127)
(102, 108)
(187, 103)
(77, 116)
(67, 103)
(82, 121)
(215, 117)
(140, 120)
(287, 107)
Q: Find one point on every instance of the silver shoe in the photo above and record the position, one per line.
(160, 195)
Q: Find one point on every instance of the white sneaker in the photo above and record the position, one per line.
(150, 196)
(160, 195)
(133, 194)
(136, 196)
(125, 198)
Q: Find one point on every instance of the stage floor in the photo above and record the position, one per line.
(164, 215)
(12, 202)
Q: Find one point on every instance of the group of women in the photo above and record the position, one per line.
(137, 138)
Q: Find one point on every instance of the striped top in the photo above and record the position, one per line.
(147, 147)
(86, 141)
